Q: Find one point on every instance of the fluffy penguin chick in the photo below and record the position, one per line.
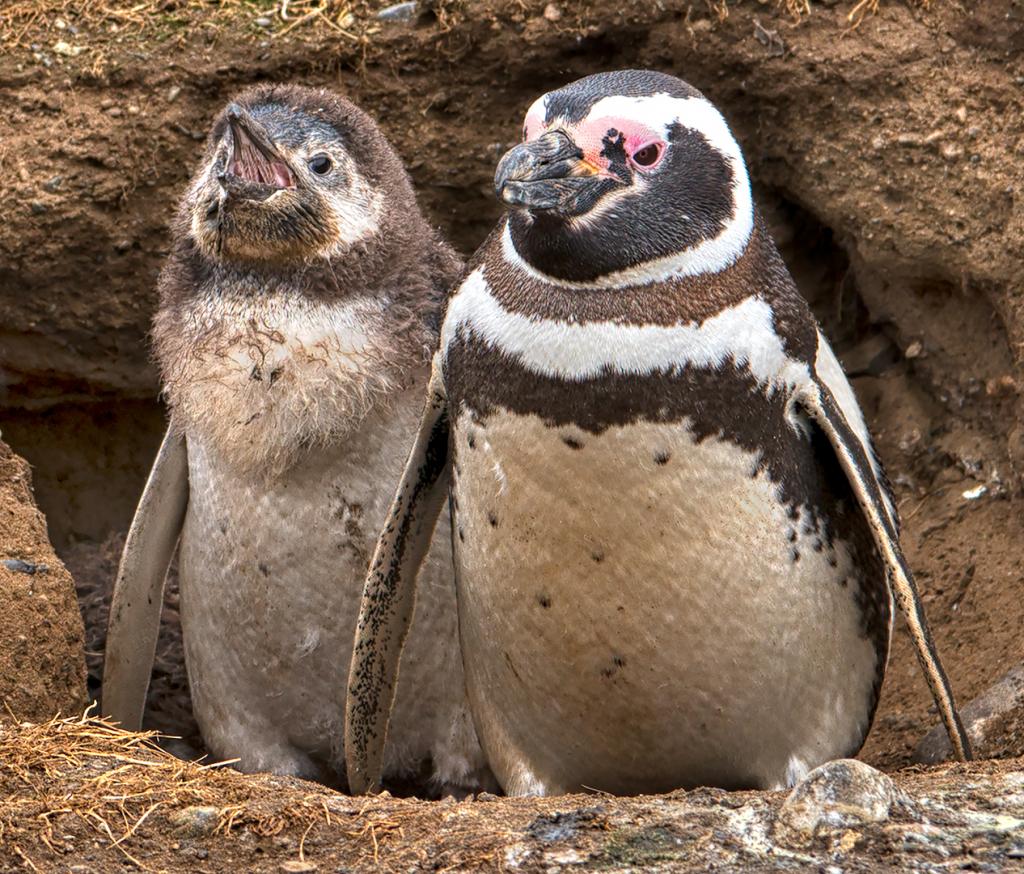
(672, 534)
(297, 313)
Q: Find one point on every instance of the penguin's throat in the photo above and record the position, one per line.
(264, 380)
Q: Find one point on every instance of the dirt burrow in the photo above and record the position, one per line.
(42, 667)
(887, 160)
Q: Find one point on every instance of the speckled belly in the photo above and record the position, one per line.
(639, 612)
(271, 576)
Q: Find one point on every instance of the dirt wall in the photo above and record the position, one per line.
(42, 653)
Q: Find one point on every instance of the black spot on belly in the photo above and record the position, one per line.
(792, 536)
(544, 601)
(492, 518)
(662, 457)
(794, 555)
(572, 442)
(462, 537)
(597, 555)
(471, 441)
(263, 569)
(618, 663)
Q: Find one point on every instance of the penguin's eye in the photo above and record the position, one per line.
(320, 164)
(647, 156)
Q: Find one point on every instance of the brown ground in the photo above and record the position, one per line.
(887, 158)
(81, 797)
(42, 669)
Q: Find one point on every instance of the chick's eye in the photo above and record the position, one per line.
(320, 164)
(647, 156)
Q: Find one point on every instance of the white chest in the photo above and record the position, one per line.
(639, 611)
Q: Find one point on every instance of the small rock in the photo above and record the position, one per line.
(994, 722)
(23, 567)
(37, 207)
(173, 93)
(914, 350)
(950, 151)
(910, 140)
(53, 184)
(297, 867)
(975, 493)
(834, 797)
(106, 103)
(196, 821)
(115, 111)
(961, 114)
(1001, 386)
(263, 21)
(67, 50)
(133, 109)
(552, 12)
(399, 12)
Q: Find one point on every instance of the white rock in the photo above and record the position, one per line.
(836, 796)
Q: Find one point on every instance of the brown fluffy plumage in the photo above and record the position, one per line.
(270, 356)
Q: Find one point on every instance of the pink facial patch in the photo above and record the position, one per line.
(592, 134)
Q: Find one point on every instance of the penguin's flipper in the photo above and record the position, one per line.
(853, 449)
(389, 595)
(138, 591)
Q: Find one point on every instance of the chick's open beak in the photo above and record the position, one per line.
(547, 173)
(254, 168)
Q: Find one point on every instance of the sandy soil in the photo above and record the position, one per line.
(42, 668)
(83, 798)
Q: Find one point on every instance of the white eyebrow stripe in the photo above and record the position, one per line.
(663, 110)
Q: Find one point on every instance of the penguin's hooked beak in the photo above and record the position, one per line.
(254, 168)
(547, 173)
